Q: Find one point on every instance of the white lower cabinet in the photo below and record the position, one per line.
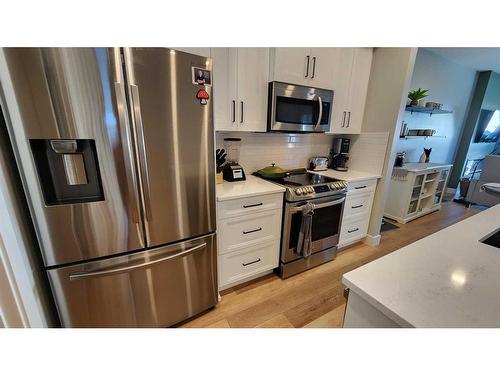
(242, 265)
(357, 211)
(249, 231)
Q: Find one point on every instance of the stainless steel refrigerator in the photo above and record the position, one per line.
(116, 153)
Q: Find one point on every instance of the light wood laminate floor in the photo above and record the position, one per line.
(315, 298)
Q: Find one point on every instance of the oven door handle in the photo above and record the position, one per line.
(320, 205)
(320, 113)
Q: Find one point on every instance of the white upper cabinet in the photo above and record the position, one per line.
(314, 67)
(291, 65)
(344, 70)
(253, 80)
(225, 88)
(241, 77)
(349, 100)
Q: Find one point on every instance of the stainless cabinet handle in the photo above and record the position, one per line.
(252, 231)
(357, 206)
(105, 272)
(314, 67)
(353, 230)
(349, 120)
(241, 114)
(136, 106)
(253, 205)
(307, 66)
(343, 119)
(128, 145)
(234, 110)
(360, 187)
(253, 262)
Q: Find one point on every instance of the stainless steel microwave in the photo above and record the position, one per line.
(296, 109)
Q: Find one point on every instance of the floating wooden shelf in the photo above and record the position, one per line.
(430, 111)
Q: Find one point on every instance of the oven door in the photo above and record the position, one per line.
(326, 222)
(296, 108)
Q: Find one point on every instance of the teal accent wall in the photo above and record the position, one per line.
(469, 128)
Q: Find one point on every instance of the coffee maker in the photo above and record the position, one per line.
(339, 154)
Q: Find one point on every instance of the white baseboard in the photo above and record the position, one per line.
(372, 240)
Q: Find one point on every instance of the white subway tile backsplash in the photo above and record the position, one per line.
(259, 150)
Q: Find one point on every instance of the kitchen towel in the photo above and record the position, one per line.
(304, 243)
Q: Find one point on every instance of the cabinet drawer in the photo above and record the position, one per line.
(243, 206)
(239, 232)
(353, 229)
(359, 187)
(245, 263)
(358, 205)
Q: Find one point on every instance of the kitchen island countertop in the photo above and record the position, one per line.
(448, 279)
(252, 186)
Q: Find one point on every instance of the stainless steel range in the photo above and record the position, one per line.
(316, 202)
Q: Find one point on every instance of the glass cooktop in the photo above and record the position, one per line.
(304, 179)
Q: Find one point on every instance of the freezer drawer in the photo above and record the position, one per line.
(153, 288)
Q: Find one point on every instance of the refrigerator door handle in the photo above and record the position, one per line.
(106, 272)
(136, 110)
(127, 144)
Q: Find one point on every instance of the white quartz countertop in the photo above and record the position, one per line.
(418, 167)
(448, 279)
(349, 175)
(253, 186)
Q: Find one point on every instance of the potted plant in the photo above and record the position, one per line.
(417, 95)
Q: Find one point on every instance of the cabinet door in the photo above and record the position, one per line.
(225, 76)
(341, 80)
(358, 88)
(324, 67)
(253, 77)
(291, 65)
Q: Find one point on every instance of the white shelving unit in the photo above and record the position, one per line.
(416, 194)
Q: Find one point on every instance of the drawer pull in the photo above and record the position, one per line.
(353, 230)
(360, 187)
(253, 205)
(358, 206)
(249, 263)
(252, 231)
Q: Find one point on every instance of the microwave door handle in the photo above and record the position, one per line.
(320, 113)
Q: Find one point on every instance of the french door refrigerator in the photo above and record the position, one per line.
(116, 153)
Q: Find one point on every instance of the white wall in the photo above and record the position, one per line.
(390, 78)
(450, 84)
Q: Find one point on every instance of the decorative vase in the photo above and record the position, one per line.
(426, 156)
(421, 102)
(414, 102)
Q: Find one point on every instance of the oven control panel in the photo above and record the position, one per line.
(316, 191)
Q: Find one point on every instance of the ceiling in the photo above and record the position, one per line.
(477, 58)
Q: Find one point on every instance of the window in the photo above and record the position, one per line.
(488, 126)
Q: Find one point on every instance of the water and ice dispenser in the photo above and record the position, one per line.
(68, 170)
